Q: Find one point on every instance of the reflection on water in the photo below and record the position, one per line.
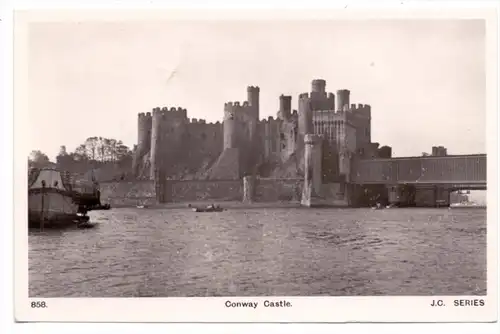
(257, 252)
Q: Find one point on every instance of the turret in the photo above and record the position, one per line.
(385, 152)
(285, 110)
(331, 101)
(144, 124)
(343, 99)
(305, 115)
(318, 86)
(439, 151)
(156, 139)
(230, 125)
(253, 99)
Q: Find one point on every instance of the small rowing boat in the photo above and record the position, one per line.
(210, 208)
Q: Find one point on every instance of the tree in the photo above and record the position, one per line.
(38, 159)
(96, 150)
(92, 147)
(62, 151)
(80, 153)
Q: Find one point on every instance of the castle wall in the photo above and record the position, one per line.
(330, 163)
(336, 128)
(203, 145)
(128, 193)
(277, 190)
(202, 190)
(289, 137)
(269, 133)
(334, 194)
(288, 131)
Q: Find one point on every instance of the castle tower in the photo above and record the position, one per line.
(305, 115)
(253, 100)
(168, 132)
(320, 99)
(144, 123)
(318, 86)
(331, 101)
(156, 138)
(230, 127)
(342, 99)
(285, 110)
(241, 150)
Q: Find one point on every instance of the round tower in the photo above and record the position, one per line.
(305, 115)
(253, 100)
(318, 86)
(285, 110)
(156, 143)
(343, 96)
(385, 152)
(229, 126)
(144, 133)
(331, 101)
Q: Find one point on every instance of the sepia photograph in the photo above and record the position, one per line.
(250, 162)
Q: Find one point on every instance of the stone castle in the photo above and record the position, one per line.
(170, 145)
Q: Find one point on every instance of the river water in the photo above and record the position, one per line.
(263, 252)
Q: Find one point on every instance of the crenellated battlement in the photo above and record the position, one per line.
(173, 112)
(270, 119)
(229, 105)
(303, 96)
(142, 115)
(330, 112)
(360, 108)
(253, 89)
(201, 122)
(238, 110)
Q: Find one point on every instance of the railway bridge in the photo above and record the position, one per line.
(421, 181)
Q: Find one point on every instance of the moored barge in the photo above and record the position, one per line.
(54, 200)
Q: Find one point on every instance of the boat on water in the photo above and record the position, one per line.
(210, 208)
(54, 201)
(467, 205)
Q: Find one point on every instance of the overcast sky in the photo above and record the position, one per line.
(425, 80)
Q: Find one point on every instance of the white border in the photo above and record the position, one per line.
(306, 309)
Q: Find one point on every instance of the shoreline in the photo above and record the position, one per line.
(236, 205)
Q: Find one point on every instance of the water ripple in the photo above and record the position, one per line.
(294, 252)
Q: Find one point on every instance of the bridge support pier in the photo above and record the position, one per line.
(401, 195)
(312, 169)
(248, 189)
(432, 196)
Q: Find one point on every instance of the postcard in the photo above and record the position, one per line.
(256, 165)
